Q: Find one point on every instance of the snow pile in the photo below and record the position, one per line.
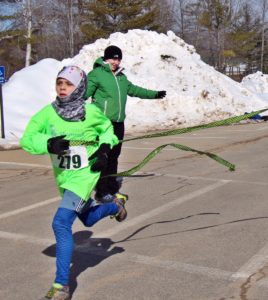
(257, 83)
(196, 93)
(27, 91)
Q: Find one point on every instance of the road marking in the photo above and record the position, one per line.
(262, 128)
(148, 148)
(133, 222)
(256, 262)
(195, 137)
(233, 130)
(159, 263)
(27, 208)
(127, 179)
(208, 178)
(24, 164)
(159, 210)
(140, 259)
(250, 276)
(25, 238)
(253, 265)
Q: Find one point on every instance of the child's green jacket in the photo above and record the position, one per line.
(72, 170)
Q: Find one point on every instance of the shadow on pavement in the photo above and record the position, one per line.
(130, 237)
(88, 253)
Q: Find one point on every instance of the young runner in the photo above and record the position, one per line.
(60, 129)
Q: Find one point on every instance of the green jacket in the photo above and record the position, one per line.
(72, 171)
(109, 91)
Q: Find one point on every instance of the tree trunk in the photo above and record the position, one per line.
(28, 18)
(71, 27)
(264, 8)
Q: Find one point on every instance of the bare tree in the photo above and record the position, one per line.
(264, 9)
(26, 21)
(68, 14)
(27, 13)
(179, 13)
(71, 26)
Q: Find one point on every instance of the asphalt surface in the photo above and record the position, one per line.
(195, 230)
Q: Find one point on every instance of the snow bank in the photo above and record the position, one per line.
(196, 92)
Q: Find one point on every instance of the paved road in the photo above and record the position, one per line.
(195, 230)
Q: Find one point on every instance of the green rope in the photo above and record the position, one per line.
(224, 122)
(179, 146)
(82, 143)
(186, 148)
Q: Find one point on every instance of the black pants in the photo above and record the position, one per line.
(109, 185)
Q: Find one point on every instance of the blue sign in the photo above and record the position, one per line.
(2, 74)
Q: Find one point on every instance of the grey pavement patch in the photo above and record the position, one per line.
(9, 146)
(24, 164)
(196, 137)
(25, 238)
(249, 276)
(27, 208)
(161, 209)
(141, 259)
(161, 263)
(147, 148)
(209, 178)
(87, 248)
(256, 262)
(233, 130)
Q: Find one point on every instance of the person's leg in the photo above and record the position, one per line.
(62, 226)
(109, 185)
(96, 213)
(113, 184)
(102, 184)
(69, 207)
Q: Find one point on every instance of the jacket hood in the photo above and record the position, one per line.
(99, 62)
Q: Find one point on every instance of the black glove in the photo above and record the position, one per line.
(58, 145)
(102, 158)
(160, 94)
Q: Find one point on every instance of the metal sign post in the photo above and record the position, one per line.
(2, 80)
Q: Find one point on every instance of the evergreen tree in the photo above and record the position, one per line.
(11, 55)
(216, 18)
(104, 17)
(244, 39)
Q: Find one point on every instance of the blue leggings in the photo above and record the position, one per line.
(62, 226)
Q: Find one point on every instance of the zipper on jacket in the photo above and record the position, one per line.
(105, 107)
(119, 99)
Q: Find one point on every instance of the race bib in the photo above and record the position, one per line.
(76, 158)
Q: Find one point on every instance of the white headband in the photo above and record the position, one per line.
(72, 74)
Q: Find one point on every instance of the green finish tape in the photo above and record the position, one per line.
(198, 127)
(152, 154)
(217, 158)
(178, 146)
(82, 143)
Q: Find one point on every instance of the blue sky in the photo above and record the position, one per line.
(7, 8)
